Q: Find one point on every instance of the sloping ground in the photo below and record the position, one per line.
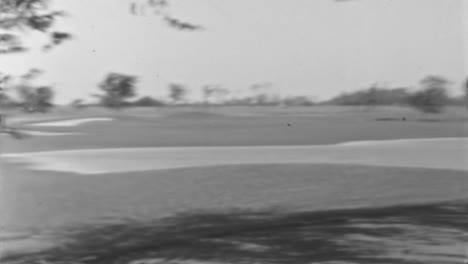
(86, 215)
(128, 131)
(69, 122)
(434, 234)
(42, 200)
(441, 153)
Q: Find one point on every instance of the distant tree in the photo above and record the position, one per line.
(260, 93)
(434, 81)
(372, 96)
(433, 96)
(220, 94)
(18, 17)
(35, 99)
(5, 100)
(177, 92)
(44, 96)
(430, 100)
(466, 93)
(148, 101)
(26, 97)
(77, 104)
(297, 101)
(117, 88)
(5, 80)
(207, 92)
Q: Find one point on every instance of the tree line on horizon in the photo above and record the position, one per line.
(118, 91)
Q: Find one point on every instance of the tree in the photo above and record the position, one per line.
(215, 92)
(5, 99)
(161, 8)
(434, 81)
(372, 97)
(77, 103)
(44, 96)
(433, 96)
(5, 81)
(35, 99)
(18, 16)
(208, 91)
(177, 92)
(220, 94)
(466, 93)
(148, 101)
(117, 87)
(260, 94)
(298, 101)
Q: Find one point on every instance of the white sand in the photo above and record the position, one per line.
(442, 153)
(48, 134)
(71, 122)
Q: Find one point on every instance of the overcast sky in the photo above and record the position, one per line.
(311, 47)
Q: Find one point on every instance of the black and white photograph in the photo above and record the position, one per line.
(234, 131)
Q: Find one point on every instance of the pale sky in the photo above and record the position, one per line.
(309, 47)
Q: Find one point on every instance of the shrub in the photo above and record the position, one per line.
(148, 101)
(429, 100)
(117, 88)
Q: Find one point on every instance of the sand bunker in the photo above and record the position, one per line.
(71, 122)
(442, 153)
(47, 134)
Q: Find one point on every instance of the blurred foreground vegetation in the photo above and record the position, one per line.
(400, 234)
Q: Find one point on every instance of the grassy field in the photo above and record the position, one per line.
(238, 126)
(283, 213)
(182, 213)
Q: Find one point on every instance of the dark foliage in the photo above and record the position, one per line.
(17, 16)
(430, 100)
(356, 236)
(372, 96)
(117, 88)
(148, 101)
(433, 97)
(177, 92)
(298, 101)
(35, 99)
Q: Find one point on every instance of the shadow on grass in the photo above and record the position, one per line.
(269, 236)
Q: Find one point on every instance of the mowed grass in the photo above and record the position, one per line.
(244, 214)
(222, 126)
(47, 199)
(239, 214)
